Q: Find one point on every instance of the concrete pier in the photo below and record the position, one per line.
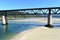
(49, 23)
(4, 20)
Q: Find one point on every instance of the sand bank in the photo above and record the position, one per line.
(39, 33)
(38, 20)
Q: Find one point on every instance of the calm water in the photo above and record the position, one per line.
(15, 27)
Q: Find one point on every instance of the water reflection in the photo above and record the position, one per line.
(5, 29)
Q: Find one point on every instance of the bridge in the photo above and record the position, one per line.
(31, 11)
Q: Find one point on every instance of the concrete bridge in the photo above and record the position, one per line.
(31, 11)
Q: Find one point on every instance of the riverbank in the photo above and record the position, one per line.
(39, 33)
(39, 20)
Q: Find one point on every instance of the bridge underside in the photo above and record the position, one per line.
(32, 11)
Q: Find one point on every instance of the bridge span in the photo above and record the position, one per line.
(31, 11)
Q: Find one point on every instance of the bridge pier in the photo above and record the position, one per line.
(4, 20)
(49, 24)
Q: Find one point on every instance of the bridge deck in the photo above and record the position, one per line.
(31, 11)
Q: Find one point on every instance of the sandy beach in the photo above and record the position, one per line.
(39, 33)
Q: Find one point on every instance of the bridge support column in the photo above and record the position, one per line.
(4, 20)
(49, 24)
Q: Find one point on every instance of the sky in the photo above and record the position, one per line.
(21, 4)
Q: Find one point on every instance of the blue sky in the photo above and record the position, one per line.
(18, 4)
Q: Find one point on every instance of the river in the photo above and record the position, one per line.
(18, 25)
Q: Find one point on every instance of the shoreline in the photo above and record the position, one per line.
(40, 32)
(37, 20)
